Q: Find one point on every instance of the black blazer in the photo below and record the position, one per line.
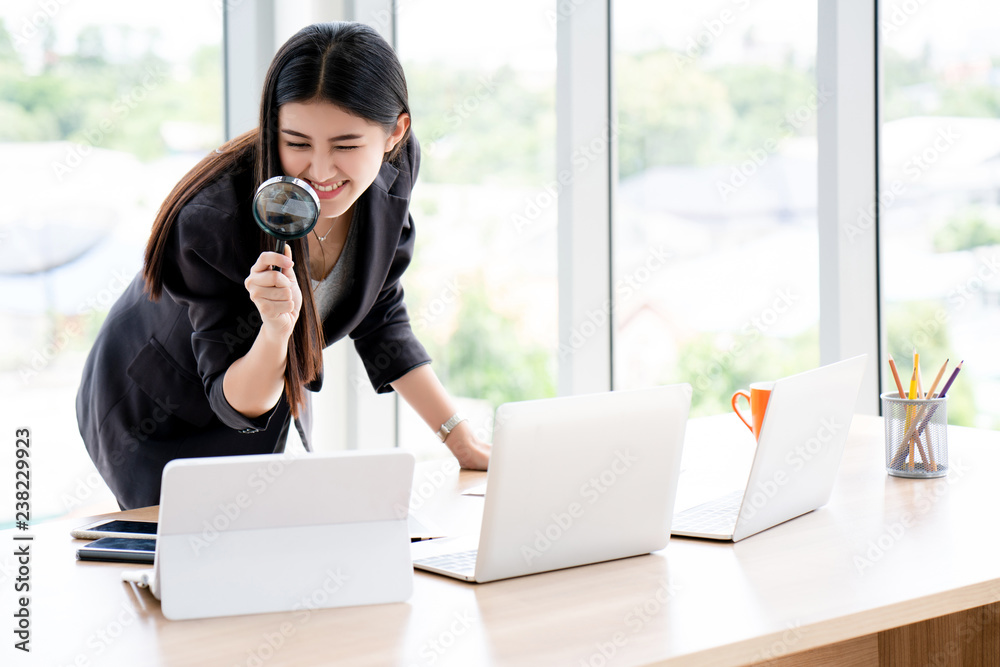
(151, 389)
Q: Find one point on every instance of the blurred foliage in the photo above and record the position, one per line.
(673, 113)
(912, 87)
(904, 83)
(967, 229)
(669, 114)
(87, 98)
(716, 365)
(486, 358)
(482, 127)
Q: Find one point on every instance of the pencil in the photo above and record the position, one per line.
(954, 374)
(927, 420)
(897, 458)
(909, 409)
(930, 392)
(895, 376)
(905, 445)
(916, 371)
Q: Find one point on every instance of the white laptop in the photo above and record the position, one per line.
(794, 468)
(572, 481)
(281, 532)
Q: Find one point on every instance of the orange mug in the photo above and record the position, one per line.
(757, 398)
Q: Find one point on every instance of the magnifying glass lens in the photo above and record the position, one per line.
(287, 208)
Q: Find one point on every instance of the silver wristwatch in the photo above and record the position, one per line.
(449, 426)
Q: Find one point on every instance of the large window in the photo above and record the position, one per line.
(482, 291)
(105, 104)
(940, 193)
(715, 259)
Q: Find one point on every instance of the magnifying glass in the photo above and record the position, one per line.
(287, 208)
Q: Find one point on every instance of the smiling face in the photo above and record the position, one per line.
(338, 153)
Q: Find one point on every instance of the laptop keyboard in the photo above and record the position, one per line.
(716, 516)
(462, 562)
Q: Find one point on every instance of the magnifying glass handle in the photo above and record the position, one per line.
(280, 249)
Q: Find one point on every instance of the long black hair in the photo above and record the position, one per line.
(347, 64)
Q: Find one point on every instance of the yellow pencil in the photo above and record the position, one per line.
(909, 412)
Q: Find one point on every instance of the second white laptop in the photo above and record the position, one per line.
(801, 443)
(572, 481)
(281, 532)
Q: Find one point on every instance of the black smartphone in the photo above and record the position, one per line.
(115, 528)
(119, 550)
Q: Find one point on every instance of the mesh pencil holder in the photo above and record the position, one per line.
(916, 436)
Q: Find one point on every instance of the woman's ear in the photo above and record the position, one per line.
(402, 124)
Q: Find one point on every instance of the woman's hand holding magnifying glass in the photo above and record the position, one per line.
(275, 293)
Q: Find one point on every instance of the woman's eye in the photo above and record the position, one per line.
(346, 148)
(291, 145)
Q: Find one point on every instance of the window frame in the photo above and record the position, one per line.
(848, 126)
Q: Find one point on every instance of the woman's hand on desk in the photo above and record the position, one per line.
(471, 452)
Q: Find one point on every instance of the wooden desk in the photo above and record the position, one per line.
(857, 582)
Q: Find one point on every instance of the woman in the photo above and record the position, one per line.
(209, 352)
